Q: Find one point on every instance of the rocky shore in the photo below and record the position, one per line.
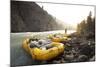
(78, 49)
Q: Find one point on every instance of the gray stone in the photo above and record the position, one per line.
(82, 58)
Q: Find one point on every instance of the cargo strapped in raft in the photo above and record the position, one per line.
(39, 53)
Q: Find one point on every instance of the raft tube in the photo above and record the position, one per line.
(47, 54)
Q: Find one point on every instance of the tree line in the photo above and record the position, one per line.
(87, 27)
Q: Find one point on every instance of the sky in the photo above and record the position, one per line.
(70, 14)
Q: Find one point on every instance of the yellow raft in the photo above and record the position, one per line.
(55, 39)
(58, 39)
(47, 54)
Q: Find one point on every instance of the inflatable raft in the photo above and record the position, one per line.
(59, 38)
(47, 54)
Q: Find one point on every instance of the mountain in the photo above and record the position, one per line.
(30, 17)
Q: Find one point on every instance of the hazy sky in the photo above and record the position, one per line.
(71, 14)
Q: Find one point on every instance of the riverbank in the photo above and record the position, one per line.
(78, 49)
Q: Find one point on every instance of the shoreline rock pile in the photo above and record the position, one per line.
(78, 49)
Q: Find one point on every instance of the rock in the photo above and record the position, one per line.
(67, 52)
(82, 58)
(68, 45)
(76, 55)
(84, 43)
(67, 48)
(86, 50)
(92, 59)
(56, 62)
(90, 35)
(62, 60)
(69, 57)
(74, 40)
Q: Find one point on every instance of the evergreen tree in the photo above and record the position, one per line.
(87, 27)
(89, 23)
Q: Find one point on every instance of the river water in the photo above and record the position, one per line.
(42, 33)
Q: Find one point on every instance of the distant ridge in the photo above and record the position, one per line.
(29, 17)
